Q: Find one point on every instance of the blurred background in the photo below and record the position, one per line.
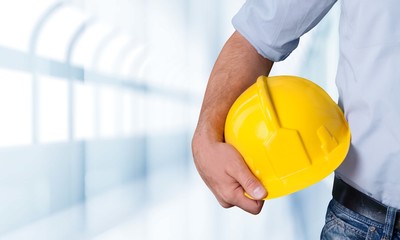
(98, 103)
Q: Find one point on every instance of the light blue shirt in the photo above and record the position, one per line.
(368, 77)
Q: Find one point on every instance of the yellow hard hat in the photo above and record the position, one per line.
(289, 131)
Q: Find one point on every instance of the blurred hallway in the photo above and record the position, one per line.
(98, 103)
(186, 210)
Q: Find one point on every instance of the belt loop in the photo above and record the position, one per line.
(389, 223)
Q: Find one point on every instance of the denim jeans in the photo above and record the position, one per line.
(342, 223)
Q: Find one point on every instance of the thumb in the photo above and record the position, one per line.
(251, 184)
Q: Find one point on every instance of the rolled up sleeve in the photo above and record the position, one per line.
(274, 27)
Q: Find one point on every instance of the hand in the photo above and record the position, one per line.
(226, 174)
(219, 164)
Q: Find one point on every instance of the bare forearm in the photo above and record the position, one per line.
(219, 164)
(236, 68)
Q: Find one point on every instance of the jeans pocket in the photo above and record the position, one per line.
(372, 234)
(330, 221)
(339, 229)
(329, 218)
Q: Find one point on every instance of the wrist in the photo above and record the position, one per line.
(207, 134)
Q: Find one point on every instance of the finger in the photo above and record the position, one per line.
(247, 180)
(252, 186)
(219, 198)
(224, 204)
(248, 205)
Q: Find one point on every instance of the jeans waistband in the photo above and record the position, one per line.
(361, 203)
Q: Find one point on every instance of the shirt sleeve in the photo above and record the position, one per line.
(274, 27)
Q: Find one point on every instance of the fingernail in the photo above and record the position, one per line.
(259, 192)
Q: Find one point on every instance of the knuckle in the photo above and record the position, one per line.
(228, 197)
(224, 204)
(250, 182)
(256, 211)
